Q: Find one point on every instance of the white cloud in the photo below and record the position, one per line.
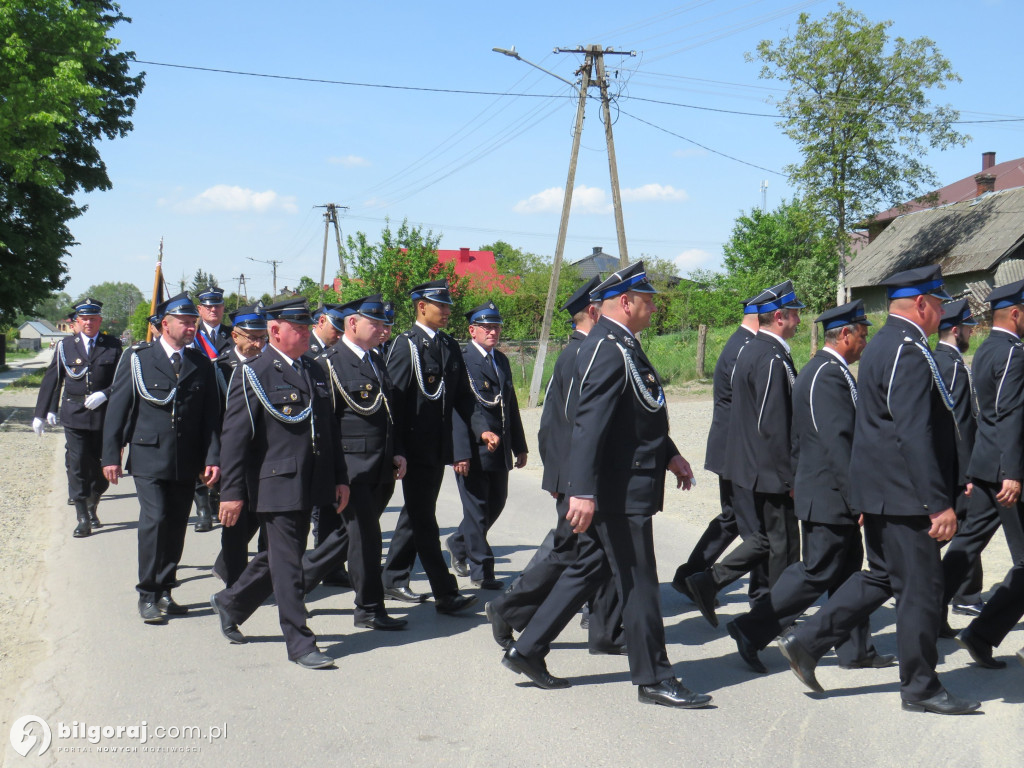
(693, 258)
(349, 161)
(653, 192)
(223, 197)
(584, 200)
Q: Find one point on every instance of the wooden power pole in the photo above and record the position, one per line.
(594, 56)
(331, 217)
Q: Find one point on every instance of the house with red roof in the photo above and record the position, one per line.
(478, 268)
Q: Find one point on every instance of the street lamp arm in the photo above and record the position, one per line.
(513, 53)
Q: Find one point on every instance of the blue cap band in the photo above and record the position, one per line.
(913, 290)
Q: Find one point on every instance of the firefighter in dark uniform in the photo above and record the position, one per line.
(369, 423)
(213, 338)
(824, 412)
(962, 571)
(903, 481)
(757, 462)
(425, 365)
(516, 606)
(79, 379)
(486, 448)
(616, 469)
(165, 404)
(249, 334)
(281, 451)
(328, 327)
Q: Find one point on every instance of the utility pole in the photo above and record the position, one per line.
(242, 293)
(273, 263)
(593, 56)
(331, 217)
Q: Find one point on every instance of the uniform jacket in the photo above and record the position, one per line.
(904, 442)
(999, 381)
(72, 376)
(824, 414)
(502, 418)
(289, 467)
(225, 367)
(315, 347)
(419, 366)
(555, 434)
(174, 441)
(370, 441)
(957, 379)
(718, 435)
(620, 443)
(762, 411)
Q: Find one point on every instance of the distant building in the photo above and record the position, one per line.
(478, 268)
(36, 334)
(597, 263)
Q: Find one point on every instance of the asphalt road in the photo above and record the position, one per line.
(436, 694)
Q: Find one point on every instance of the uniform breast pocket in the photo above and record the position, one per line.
(152, 439)
(285, 467)
(644, 460)
(285, 396)
(353, 445)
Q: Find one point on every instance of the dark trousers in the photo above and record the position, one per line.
(625, 544)
(903, 560)
(519, 603)
(325, 526)
(416, 533)
(234, 545)
(164, 506)
(82, 459)
(720, 533)
(771, 541)
(972, 536)
(1006, 605)
(359, 539)
(483, 497)
(277, 571)
(831, 554)
(969, 590)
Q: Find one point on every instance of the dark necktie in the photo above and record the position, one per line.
(297, 367)
(88, 349)
(176, 363)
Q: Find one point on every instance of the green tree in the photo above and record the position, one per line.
(120, 301)
(64, 87)
(138, 323)
(201, 281)
(791, 242)
(859, 110)
(390, 267)
(509, 260)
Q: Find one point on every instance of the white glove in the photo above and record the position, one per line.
(37, 426)
(95, 400)
(51, 419)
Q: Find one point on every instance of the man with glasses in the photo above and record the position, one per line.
(486, 448)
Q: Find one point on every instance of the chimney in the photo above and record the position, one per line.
(986, 183)
(597, 250)
(988, 159)
(464, 255)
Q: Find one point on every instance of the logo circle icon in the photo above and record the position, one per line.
(24, 735)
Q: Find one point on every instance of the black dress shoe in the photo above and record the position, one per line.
(94, 522)
(585, 621)
(338, 578)
(405, 594)
(383, 621)
(943, 703)
(947, 632)
(459, 566)
(228, 628)
(980, 651)
(500, 629)
(800, 661)
(168, 607)
(491, 583)
(672, 693)
(615, 649)
(451, 604)
(205, 523)
(679, 585)
(746, 648)
(874, 661)
(702, 590)
(968, 609)
(315, 660)
(535, 669)
(150, 613)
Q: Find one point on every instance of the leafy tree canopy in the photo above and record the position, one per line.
(65, 87)
(120, 301)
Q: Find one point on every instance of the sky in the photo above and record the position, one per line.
(228, 169)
